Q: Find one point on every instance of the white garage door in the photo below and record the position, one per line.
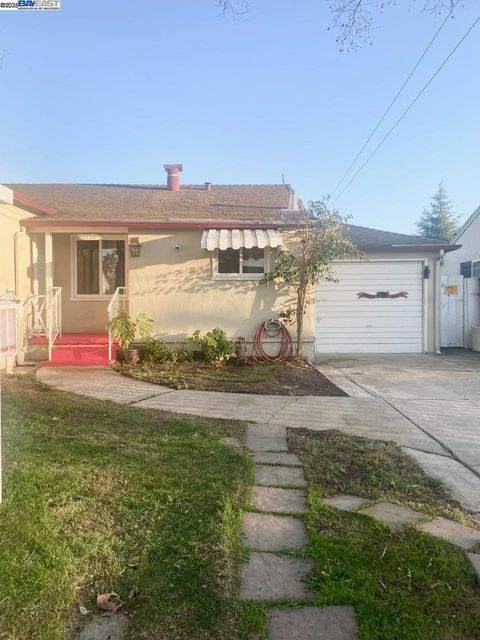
(372, 322)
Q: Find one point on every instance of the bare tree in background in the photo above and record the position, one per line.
(235, 7)
(354, 19)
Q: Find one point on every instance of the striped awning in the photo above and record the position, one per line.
(236, 238)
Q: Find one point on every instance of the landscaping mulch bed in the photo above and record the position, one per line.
(292, 378)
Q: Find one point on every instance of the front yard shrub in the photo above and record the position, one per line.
(154, 350)
(124, 328)
(214, 346)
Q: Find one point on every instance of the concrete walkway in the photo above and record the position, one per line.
(395, 398)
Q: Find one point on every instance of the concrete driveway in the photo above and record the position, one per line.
(440, 395)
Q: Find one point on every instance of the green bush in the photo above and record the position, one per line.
(214, 346)
(154, 350)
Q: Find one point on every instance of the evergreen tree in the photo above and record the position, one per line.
(438, 222)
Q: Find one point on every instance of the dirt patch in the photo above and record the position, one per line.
(290, 378)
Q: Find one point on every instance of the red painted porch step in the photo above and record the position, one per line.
(80, 350)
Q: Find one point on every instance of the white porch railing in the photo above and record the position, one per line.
(117, 304)
(42, 316)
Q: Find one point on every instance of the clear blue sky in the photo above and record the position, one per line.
(106, 91)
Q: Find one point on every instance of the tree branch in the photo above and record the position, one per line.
(235, 7)
(354, 19)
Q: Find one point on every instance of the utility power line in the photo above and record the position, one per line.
(387, 110)
(466, 34)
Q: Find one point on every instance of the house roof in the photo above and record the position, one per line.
(466, 224)
(259, 204)
(365, 237)
(230, 206)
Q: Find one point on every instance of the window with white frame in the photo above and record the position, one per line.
(475, 268)
(99, 266)
(240, 263)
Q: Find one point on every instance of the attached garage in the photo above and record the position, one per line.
(374, 307)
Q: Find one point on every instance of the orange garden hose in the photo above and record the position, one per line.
(272, 328)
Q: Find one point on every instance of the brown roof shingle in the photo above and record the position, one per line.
(122, 203)
(364, 237)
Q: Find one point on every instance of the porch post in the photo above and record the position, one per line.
(48, 261)
(35, 264)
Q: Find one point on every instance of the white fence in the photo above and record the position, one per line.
(460, 310)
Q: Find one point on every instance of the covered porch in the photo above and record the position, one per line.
(79, 282)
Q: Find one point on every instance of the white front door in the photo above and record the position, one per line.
(375, 307)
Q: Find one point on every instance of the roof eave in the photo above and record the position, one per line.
(142, 224)
(466, 224)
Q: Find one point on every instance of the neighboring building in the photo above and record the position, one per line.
(192, 257)
(460, 285)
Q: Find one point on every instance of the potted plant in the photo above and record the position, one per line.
(124, 329)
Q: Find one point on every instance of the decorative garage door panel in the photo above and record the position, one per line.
(349, 323)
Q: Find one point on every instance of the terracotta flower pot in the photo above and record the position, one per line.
(127, 356)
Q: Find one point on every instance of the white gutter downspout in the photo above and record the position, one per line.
(425, 308)
(439, 262)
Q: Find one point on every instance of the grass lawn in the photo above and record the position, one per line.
(290, 378)
(404, 585)
(102, 497)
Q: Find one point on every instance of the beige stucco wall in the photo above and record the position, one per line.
(175, 287)
(14, 247)
(15, 256)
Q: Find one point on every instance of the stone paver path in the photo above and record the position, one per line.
(276, 476)
(105, 628)
(345, 502)
(312, 623)
(278, 500)
(269, 575)
(266, 532)
(270, 457)
(456, 533)
(395, 516)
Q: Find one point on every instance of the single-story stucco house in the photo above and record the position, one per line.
(461, 288)
(192, 257)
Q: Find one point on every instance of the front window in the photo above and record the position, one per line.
(241, 262)
(100, 266)
(476, 269)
